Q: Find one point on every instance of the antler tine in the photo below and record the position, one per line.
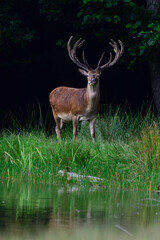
(100, 60)
(118, 54)
(85, 60)
(72, 53)
(69, 47)
(105, 65)
(114, 45)
(122, 47)
(79, 45)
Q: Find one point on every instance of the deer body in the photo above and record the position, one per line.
(75, 104)
(80, 104)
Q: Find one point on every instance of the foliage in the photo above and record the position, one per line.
(125, 19)
(13, 30)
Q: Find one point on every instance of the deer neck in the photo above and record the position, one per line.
(93, 96)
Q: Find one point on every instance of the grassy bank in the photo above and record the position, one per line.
(126, 153)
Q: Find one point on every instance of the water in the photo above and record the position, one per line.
(33, 208)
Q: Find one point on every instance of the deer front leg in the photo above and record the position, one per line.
(92, 129)
(57, 128)
(61, 124)
(75, 126)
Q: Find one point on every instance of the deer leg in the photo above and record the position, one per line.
(61, 124)
(92, 129)
(58, 125)
(57, 128)
(75, 126)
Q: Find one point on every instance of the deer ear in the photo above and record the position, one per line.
(83, 72)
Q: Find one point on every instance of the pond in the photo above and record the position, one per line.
(34, 209)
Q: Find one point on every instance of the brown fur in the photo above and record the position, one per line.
(68, 100)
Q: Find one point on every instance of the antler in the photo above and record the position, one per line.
(73, 56)
(118, 54)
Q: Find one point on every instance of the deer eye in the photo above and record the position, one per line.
(96, 76)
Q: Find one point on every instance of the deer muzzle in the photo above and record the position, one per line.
(92, 82)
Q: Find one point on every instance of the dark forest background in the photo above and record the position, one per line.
(34, 58)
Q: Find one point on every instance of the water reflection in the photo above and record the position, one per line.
(34, 207)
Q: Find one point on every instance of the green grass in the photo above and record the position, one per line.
(126, 153)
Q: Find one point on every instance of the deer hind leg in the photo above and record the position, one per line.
(75, 126)
(92, 129)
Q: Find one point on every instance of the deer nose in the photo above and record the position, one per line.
(92, 81)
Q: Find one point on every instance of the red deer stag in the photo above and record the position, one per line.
(74, 104)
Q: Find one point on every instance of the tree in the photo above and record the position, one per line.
(16, 33)
(13, 31)
(24, 29)
(136, 23)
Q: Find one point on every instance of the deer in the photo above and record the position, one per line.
(81, 104)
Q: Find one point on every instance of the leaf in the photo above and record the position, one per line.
(128, 25)
(79, 14)
(150, 25)
(85, 19)
(140, 34)
(138, 23)
(151, 42)
(108, 19)
(127, 1)
(142, 47)
(109, 4)
(98, 16)
(59, 42)
(141, 51)
(86, 1)
(116, 18)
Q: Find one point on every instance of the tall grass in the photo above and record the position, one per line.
(126, 153)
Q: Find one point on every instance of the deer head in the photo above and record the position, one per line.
(85, 69)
